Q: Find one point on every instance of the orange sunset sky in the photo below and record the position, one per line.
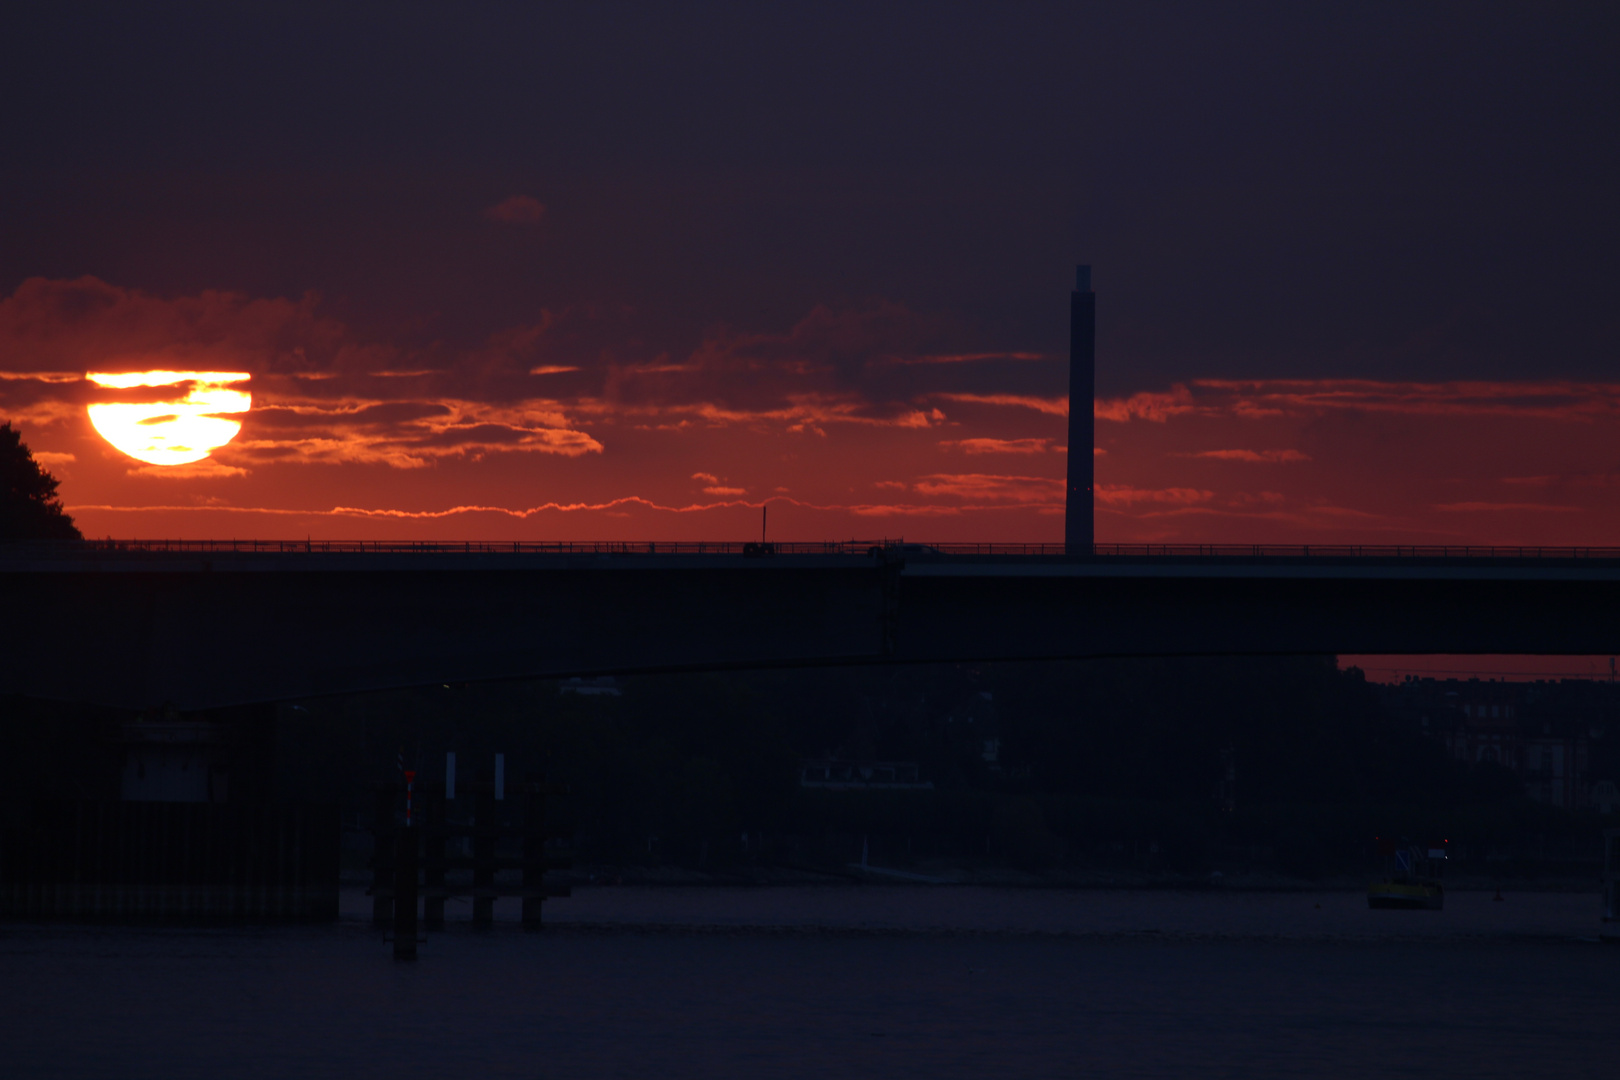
(1353, 285)
(864, 422)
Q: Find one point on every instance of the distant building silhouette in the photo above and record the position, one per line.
(1079, 525)
(838, 775)
(1556, 736)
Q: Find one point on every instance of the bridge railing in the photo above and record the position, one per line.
(908, 550)
(1272, 551)
(485, 547)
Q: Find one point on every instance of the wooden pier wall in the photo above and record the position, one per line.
(192, 862)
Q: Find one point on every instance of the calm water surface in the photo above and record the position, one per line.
(890, 982)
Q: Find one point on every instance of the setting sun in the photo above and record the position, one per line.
(182, 426)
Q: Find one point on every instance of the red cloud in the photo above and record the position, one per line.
(998, 446)
(84, 324)
(1125, 495)
(1053, 406)
(1265, 456)
(191, 471)
(971, 358)
(984, 486)
(405, 434)
(517, 210)
(1145, 406)
(833, 366)
(1470, 507)
(1263, 398)
(1548, 400)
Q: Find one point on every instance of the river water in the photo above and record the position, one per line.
(838, 982)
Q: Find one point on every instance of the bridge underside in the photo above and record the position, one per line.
(1238, 614)
(199, 633)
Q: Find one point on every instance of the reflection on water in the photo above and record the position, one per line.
(837, 981)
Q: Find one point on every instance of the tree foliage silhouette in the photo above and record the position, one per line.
(29, 508)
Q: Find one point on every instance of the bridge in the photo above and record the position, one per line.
(199, 625)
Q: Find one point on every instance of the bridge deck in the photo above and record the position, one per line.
(206, 623)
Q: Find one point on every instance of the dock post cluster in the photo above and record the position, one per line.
(441, 858)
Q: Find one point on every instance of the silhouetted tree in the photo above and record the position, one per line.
(29, 508)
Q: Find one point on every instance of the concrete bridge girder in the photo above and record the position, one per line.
(199, 633)
(1163, 608)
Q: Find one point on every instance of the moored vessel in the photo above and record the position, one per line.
(1412, 881)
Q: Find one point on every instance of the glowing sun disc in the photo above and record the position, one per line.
(178, 431)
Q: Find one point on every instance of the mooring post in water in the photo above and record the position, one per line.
(382, 856)
(534, 851)
(433, 855)
(405, 864)
(485, 832)
(1610, 924)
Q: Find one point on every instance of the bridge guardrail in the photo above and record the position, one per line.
(827, 547)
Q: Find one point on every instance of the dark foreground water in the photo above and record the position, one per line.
(840, 982)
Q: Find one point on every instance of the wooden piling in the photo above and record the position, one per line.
(382, 856)
(534, 851)
(433, 856)
(485, 833)
(405, 891)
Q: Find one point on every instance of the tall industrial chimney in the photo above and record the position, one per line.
(1079, 526)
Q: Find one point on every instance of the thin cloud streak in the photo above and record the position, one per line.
(1050, 406)
(1266, 398)
(189, 471)
(1546, 400)
(864, 509)
(1124, 495)
(971, 358)
(40, 376)
(1497, 507)
(1156, 407)
(1025, 489)
(997, 446)
(1273, 457)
